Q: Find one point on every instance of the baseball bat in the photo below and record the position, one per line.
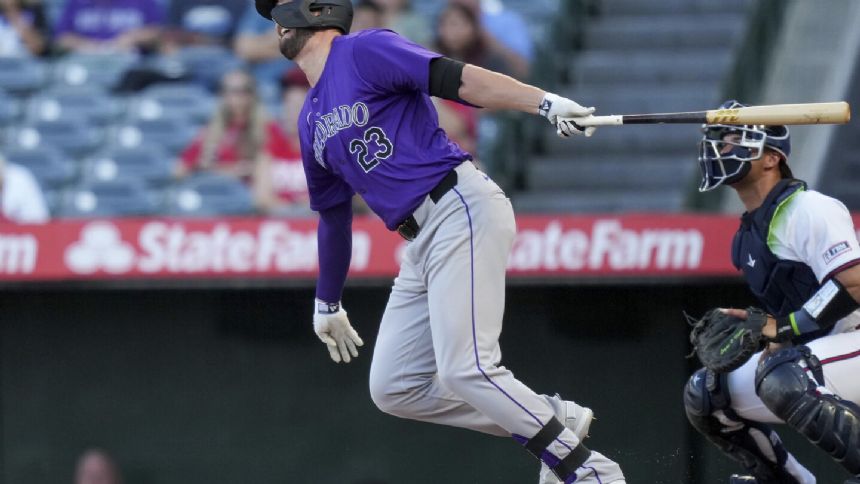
(811, 113)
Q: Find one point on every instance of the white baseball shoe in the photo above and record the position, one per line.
(598, 468)
(576, 418)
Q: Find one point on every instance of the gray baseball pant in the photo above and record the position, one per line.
(437, 356)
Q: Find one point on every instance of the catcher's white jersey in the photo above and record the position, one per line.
(818, 231)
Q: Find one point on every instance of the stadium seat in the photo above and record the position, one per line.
(172, 134)
(601, 201)
(20, 75)
(206, 64)
(654, 171)
(104, 70)
(91, 104)
(675, 32)
(207, 194)
(75, 138)
(10, 109)
(148, 164)
(171, 100)
(601, 67)
(48, 165)
(116, 198)
(633, 7)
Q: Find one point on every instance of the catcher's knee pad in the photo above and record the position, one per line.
(705, 395)
(829, 422)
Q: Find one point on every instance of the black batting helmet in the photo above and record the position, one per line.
(297, 14)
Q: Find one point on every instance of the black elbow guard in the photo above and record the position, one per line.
(446, 78)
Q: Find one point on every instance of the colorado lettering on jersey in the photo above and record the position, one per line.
(339, 119)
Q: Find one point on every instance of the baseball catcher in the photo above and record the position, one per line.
(799, 254)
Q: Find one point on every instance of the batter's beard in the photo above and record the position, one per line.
(291, 46)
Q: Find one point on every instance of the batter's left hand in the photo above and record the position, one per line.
(563, 113)
(332, 327)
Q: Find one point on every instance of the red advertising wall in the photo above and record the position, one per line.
(652, 246)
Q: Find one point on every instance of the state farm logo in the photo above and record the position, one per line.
(173, 248)
(100, 248)
(607, 246)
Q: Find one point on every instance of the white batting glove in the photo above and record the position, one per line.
(564, 113)
(332, 327)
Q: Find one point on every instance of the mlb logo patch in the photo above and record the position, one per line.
(836, 251)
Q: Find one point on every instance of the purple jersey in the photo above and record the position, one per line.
(369, 126)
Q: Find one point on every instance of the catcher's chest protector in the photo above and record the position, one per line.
(782, 286)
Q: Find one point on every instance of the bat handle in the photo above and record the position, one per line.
(613, 120)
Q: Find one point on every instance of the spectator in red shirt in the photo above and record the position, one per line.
(242, 141)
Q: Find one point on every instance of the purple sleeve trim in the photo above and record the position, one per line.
(847, 265)
(334, 247)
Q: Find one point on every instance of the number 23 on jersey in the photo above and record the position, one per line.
(372, 148)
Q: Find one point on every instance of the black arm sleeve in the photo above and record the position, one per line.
(446, 78)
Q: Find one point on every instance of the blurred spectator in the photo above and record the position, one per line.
(459, 35)
(23, 28)
(202, 22)
(460, 123)
(505, 33)
(242, 141)
(109, 25)
(96, 467)
(294, 88)
(21, 199)
(368, 15)
(399, 17)
(257, 44)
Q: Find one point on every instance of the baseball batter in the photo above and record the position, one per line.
(799, 254)
(368, 126)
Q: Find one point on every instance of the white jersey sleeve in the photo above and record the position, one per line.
(816, 230)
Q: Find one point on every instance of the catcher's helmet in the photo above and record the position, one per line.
(727, 161)
(300, 13)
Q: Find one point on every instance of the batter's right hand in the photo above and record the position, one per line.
(332, 327)
(563, 113)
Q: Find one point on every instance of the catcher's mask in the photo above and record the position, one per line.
(296, 14)
(725, 159)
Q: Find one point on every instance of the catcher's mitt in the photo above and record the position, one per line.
(723, 342)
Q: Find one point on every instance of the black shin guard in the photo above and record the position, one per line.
(705, 395)
(829, 422)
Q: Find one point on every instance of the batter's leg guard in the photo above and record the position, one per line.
(829, 422)
(752, 444)
(564, 469)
